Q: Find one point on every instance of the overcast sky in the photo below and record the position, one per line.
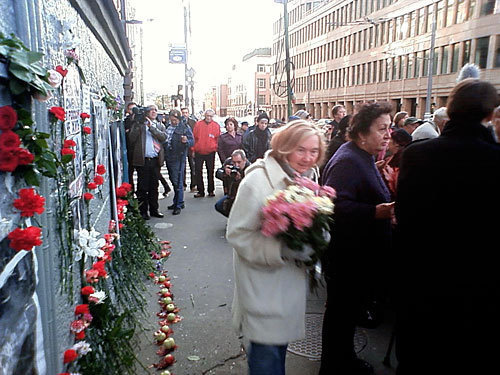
(222, 32)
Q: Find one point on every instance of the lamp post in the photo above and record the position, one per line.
(430, 69)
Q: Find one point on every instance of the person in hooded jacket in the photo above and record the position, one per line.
(258, 141)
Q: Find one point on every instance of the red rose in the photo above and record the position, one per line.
(8, 118)
(25, 239)
(70, 355)
(29, 202)
(121, 216)
(88, 196)
(58, 113)
(69, 143)
(61, 70)
(9, 160)
(92, 185)
(80, 335)
(92, 276)
(68, 151)
(84, 115)
(88, 290)
(82, 309)
(9, 139)
(121, 192)
(101, 169)
(87, 130)
(99, 180)
(24, 157)
(126, 186)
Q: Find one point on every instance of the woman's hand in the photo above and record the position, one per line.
(384, 210)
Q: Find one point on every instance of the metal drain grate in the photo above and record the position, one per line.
(310, 347)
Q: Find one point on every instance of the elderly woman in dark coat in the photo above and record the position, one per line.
(361, 236)
(449, 280)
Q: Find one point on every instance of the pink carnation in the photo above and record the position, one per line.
(327, 191)
(302, 214)
(275, 219)
(307, 183)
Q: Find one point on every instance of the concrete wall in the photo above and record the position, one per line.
(44, 320)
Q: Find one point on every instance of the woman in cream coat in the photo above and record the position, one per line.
(270, 291)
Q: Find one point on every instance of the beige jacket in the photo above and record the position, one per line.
(270, 293)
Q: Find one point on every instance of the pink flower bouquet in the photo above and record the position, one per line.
(300, 215)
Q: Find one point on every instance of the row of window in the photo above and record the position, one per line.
(418, 22)
(447, 59)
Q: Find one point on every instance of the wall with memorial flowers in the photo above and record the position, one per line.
(60, 217)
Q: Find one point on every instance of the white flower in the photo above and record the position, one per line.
(324, 205)
(82, 347)
(97, 297)
(88, 243)
(55, 78)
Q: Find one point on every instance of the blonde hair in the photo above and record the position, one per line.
(287, 138)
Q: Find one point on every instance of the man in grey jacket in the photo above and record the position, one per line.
(146, 137)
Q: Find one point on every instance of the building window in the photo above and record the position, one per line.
(461, 11)
(496, 63)
(466, 55)
(430, 16)
(417, 64)
(435, 61)
(261, 68)
(409, 66)
(426, 63)
(444, 60)
(450, 5)
(488, 7)
(261, 83)
(261, 100)
(394, 68)
(482, 51)
(440, 14)
(472, 8)
(421, 22)
(454, 59)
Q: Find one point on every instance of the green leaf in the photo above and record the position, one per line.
(4, 50)
(24, 116)
(42, 143)
(16, 87)
(31, 178)
(67, 159)
(21, 72)
(33, 56)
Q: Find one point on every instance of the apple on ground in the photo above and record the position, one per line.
(170, 307)
(171, 317)
(165, 328)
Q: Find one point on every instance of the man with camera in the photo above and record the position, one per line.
(231, 174)
(146, 137)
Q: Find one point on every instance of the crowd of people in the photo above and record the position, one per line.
(414, 213)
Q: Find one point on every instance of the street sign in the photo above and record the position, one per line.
(177, 56)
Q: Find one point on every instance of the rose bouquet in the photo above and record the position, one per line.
(300, 215)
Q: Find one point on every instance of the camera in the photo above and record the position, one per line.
(234, 170)
(139, 113)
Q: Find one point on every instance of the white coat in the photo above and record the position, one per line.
(270, 293)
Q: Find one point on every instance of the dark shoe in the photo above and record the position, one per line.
(362, 368)
(157, 214)
(145, 216)
(172, 206)
(176, 211)
(199, 195)
(211, 194)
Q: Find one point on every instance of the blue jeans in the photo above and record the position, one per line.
(219, 206)
(175, 166)
(266, 359)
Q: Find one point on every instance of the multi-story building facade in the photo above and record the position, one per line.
(351, 51)
(249, 85)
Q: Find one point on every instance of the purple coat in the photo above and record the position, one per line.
(227, 144)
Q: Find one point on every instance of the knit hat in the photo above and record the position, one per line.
(262, 116)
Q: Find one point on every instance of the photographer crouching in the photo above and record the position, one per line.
(231, 174)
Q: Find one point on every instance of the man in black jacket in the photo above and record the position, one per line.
(447, 213)
(231, 174)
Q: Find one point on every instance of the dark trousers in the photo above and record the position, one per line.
(339, 324)
(176, 167)
(163, 181)
(192, 171)
(448, 334)
(147, 186)
(209, 159)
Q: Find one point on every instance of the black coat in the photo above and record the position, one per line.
(360, 243)
(447, 211)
